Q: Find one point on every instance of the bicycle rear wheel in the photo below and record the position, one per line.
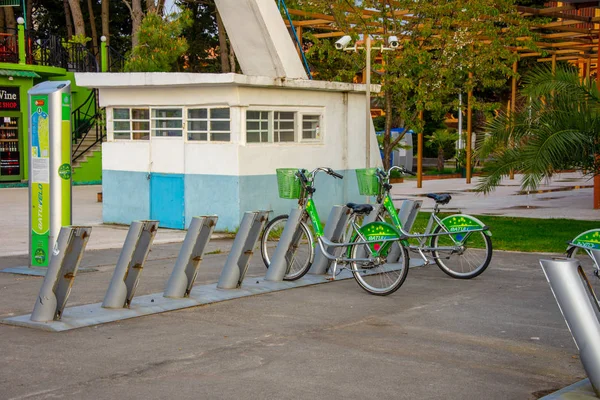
(588, 265)
(382, 279)
(464, 260)
(300, 255)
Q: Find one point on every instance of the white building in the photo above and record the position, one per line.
(181, 145)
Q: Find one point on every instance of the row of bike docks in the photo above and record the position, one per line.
(50, 311)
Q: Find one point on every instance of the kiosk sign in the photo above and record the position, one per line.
(50, 167)
(9, 98)
(40, 180)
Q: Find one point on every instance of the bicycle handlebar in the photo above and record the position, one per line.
(306, 180)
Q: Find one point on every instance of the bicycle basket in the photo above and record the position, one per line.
(368, 184)
(288, 183)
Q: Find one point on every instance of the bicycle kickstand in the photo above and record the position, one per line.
(333, 270)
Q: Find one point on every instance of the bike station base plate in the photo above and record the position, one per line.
(94, 314)
(581, 390)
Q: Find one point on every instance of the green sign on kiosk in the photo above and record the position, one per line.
(50, 167)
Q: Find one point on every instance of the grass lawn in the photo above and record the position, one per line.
(527, 234)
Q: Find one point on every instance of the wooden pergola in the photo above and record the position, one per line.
(573, 37)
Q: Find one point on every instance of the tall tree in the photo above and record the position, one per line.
(92, 24)
(105, 16)
(440, 43)
(2, 19)
(78, 20)
(160, 43)
(69, 19)
(9, 18)
(137, 14)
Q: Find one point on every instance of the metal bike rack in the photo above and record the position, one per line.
(242, 250)
(408, 213)
(572, 293)
(279, 262)
(130, 264)
(186, 267)
(61, 272)
(334, 231)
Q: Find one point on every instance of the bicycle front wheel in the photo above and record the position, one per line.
(463, 260)
(300, 255)
(588, 265)
(383, 278)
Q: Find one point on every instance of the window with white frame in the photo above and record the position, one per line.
(264, 126)
(310, 126)
(257, 126)
(209, 124)
(131, 123)
(284, 126)
(167, 122)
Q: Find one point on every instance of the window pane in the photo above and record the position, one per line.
(122, 135)
(219, 137)
(197, 113)
(165, 132)
(141, 135)
(253, 114)
(197, 125)
(219, 126)
(121, 113)
(253, 137)
(140, 113)
(166, 113)
(264, 126)
(121, 125)
(252, 125)
(219, 113)
(264, 137)
(289, 125)
(197, 136)
(140, 125)
(286, 136)
(284, 115)
(310, 126)
(167, 123)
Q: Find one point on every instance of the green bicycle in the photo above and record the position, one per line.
(588, 244)
(368, 252)
(460, 244)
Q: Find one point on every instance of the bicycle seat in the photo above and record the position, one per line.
(443, 198)
(360, 208)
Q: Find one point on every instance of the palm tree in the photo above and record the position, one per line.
(556, 128)
(438, 140)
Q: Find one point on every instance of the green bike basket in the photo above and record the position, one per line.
(288, 183)
(368, 184)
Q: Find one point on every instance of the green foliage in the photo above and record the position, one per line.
(80, 39)
(441, 43)
(202, 37)
(440, 139)
(558, 127)
(160, 43)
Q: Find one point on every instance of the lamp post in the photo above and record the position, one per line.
(342, 44)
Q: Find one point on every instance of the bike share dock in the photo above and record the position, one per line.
(120, 302)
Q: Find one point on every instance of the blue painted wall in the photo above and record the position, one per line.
(125, 196)
(213, 195)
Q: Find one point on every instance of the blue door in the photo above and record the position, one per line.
(167, 201)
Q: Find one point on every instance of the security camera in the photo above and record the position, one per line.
(343, 42)
(393, 42)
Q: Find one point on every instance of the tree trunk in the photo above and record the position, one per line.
(93, 26)
(223, 45)
(77, 18)
(29, 14)
(136, 15)
(9, 18)
(440, 159)
(2, 25)
(231, 59)
(68, 19)
(150, 6)
(105, 21)
(160, 7)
